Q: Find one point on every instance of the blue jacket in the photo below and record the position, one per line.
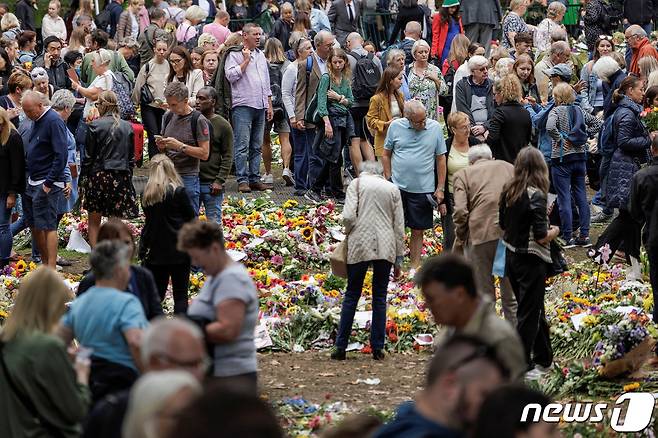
(608, 89)
(47, 151)
(539, 116)
(409, 423)
(116, 10)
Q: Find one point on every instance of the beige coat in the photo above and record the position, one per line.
(376, 232)
(476, 190)
(496, 332)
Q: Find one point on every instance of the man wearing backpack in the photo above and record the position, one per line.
(109, 18)
(251, 105)
(185, 138)
(366, 74)
(151, 33)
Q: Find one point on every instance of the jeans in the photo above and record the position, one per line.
(152, 119)
(356, 273)
(568, 180)
(20, 225)
(527, 274)
(192, 185)
(211, 203)
(5, 232)
(248, 126)
(180, 281)
(302, 145)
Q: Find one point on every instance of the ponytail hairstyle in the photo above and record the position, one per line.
(628, 83)
(108, 105)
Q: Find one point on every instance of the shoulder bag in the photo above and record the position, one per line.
(26, 401)
(338, 257)
(145, 94)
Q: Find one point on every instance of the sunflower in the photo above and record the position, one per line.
(307, 233)
(21, 266)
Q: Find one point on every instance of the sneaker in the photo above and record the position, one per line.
(583, 242)
(299, 192)
(537, 372)
(571, 243)
(267, 179)
(314, 197)
(601, 218)
(288, 177)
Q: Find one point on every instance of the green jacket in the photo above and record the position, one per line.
(118, 64)
(39, 366)
(216, 169)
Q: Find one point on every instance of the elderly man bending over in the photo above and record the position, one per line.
(476, 190)
(413, 150)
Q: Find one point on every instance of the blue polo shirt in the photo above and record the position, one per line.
(99, 319)
(414, 154)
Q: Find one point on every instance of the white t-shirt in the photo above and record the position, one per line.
(104, 82)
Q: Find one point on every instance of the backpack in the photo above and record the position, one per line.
(195, 120)
(607, 140)
(365, 77)
(275, 85)
(194, 41)
(122, 87)
(611, 15)
(104, 19)
(223, 86)
(577, 136)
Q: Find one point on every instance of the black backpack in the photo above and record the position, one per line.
(194, 41)
(275, 85)
(611, 15)
(104, 19)
(194, 121)
(365, 76)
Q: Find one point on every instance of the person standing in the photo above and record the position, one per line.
(219, 28)
(12, 180)
(154, 32)
(282, 27)
(446, 25)
(248, 74)
(52, 24)
(480, 17)
(344, 16)
(47, 156)
(129, 22)
(474, 96)
(414, 150)
(385, 106)
(227, 305)
(643, 200)
(185, 138)
(107, 167)
(37, 366)
(373, 212)
(25, 14)
(214, 172)
(167, 207)
(513, 23)
(116, 9)
(426, 83)
(637, 40)
(183, 70)
(476, 190)
(51, 60)
(524, 219)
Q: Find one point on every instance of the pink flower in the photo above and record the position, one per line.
(605, 253)
(323, 210)
(277, 260)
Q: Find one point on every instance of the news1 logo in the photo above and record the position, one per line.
(638, 413)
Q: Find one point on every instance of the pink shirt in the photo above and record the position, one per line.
(218, 31)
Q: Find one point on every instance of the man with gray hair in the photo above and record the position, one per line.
(63, 102)
(476, 190)
(559, 53)
(46, 160)
(308, 79)
(637, 41)
(185, 138)
(414, 151)
(412, 33)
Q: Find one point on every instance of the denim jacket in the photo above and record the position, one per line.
(589, 93)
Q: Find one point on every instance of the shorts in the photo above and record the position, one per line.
(359, 117)
(418, 211)
(280, 127)
(40, 208)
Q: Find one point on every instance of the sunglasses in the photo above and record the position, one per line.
(605, 37)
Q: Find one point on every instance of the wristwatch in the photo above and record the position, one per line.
(183, 148)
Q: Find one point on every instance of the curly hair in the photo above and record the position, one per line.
(509, 87)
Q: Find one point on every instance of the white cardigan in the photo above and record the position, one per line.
(194, 83)
(288, 86)
(376, 232)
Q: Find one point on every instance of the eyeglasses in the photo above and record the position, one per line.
(632, 36)
(175, 61)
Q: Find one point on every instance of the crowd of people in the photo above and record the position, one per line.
(498, 126)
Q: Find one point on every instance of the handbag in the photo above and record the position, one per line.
(26, 401)
(338, 257)
(145, 94)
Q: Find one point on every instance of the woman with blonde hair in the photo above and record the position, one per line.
(107, 168)
(523, 216)
(100, 64)
(510, 127)
(334, 101)
(426, 83)
(524, 69)
(11, 27)
(277, 64)
(553, 21)
(194, 15)
(513, 22)
(156, 401)
(167, 207)
(43, 393)
(12, 180)
(76, 41)
(647, 65)
(457, 55)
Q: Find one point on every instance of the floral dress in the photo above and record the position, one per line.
(512, 23)
(425, 90)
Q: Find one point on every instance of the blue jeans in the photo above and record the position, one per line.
(5, 233)
(302, 145)
(20, 225)
(192, 186)
(356, 273)
(211, 203)
(568, 179)
(248, 126)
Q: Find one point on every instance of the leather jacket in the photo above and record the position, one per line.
(108, 147)
(57, 75)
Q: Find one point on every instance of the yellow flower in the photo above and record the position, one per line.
(590, 320)
(631, 387)
(203, 217)
(307, 233)
(32, 266)
(21, 266)
(290, 203)
(567, 295)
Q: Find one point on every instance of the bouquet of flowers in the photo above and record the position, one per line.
(650, 118)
